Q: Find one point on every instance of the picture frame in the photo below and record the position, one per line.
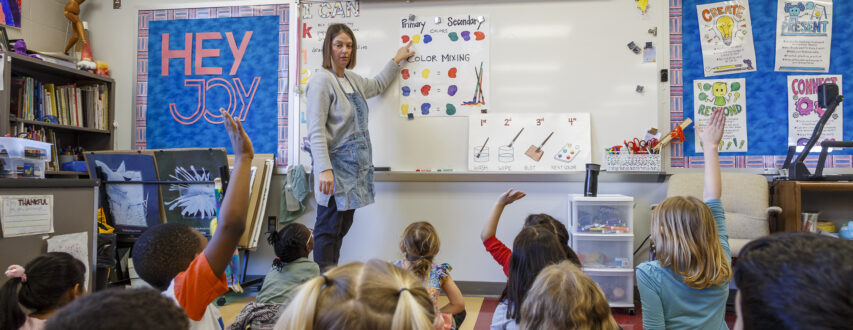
(4, 39)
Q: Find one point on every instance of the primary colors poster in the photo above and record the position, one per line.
(725, 31)
(449, 73)
(803, 35)
(730, 96)
(804, 111)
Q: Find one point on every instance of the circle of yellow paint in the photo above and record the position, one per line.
(404, 109)
(425, 73)
(416, 38)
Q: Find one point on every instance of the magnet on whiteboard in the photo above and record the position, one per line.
(484, 111)
(411, 17)
(481, 19)
(640, 88)
(411, 116)
(633, 47)
(654, 31)
(437, 20)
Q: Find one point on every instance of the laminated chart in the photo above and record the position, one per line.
(511, 142)
(449, 73)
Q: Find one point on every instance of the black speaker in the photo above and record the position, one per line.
(826, 94)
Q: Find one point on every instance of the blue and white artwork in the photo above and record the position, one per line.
(188, 194)
(133, 206)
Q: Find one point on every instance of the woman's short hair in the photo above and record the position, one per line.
(331, 33)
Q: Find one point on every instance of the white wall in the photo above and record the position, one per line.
(43, 25)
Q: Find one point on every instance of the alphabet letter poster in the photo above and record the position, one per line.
(726, 34)
(192, 62)
(803, 36)
(726, 94)
(449, 73)
(804, 110)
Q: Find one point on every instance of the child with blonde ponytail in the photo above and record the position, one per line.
(375, 295)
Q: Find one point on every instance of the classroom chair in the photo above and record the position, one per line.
(746, 202)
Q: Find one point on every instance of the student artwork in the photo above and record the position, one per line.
(528, 142)
(725, 31)
(730, 96)
(134, 207)
(192, 62)
(803, 35)
(804, 111)
(449, 73)
(191, 199)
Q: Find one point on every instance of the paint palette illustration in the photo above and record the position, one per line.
(568, 153)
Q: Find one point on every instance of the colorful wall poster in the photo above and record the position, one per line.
(804, 111)
(190, 199)
(548, 142)
(803, 35)
(725, 30)
(192, 62)
(726, 94)
(133, 207)
(449, 73)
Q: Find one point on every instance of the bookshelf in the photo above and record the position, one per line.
(76, 97)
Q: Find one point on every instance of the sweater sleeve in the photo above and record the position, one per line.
(716, 207)
(320, 97)
(649, 288)
(499, 251)
(372, 87)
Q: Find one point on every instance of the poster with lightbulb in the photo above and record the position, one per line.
(804, 111)
(725, 31)
(803, 35)
(729, 95)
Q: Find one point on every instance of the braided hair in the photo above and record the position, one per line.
(290, 243)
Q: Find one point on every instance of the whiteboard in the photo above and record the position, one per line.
(545, 57)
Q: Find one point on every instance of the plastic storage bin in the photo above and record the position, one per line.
(604, 251)
(21, 168)
(604, 214)
(618, 286)
(24, 148)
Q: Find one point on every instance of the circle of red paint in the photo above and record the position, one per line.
(479, 35)
(405, 39)
(425, 90)
(451, 73)
(405, 73)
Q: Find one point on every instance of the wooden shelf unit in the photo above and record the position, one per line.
(792, 195)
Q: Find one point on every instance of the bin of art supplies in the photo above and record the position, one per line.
(603, 214)
(604, 251)
(617, 285)
(21, 168)
(628, 162)
(24, 148)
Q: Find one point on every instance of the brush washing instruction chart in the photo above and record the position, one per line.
(449, 73)
(548, 142)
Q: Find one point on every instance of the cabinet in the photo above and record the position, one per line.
(830, 198)
(602, 235)
(57, 104)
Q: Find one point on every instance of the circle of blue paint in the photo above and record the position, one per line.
(427, 39)
(425, 108)
(406, 90)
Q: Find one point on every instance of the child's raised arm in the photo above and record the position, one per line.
(232, 215)
(491, 226)
(711, 136)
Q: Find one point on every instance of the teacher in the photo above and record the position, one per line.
(340, 143)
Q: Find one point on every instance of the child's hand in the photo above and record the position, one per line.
(239, 139)
(713, 131)
(510, 196)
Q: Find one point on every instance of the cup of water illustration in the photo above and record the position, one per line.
(481, 154)
(506, 154)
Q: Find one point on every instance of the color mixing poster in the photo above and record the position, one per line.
(547, 142)
(726, 34)
(730, 96)
(803, 36)
(804, 111)
(449, 73)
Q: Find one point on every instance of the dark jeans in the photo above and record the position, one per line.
(329, 231)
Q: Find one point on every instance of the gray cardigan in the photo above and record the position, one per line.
(331, 117)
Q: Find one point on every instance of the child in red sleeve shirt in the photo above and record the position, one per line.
(501, 252)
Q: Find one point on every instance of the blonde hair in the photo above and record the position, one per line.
(563, 297)
(375, 295)
(686, 240)
(420, 244)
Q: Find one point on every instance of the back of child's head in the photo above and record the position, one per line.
(420, 244)
(127, 309)
(685, 236)
(165, 250)
(534, 248)
(795, 281)
(375, 295)
(558, 228)
(46, 283)
(563, 297)
(290, 243)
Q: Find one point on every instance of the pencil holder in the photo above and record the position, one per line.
(625, 162)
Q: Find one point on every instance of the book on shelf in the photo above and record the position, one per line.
(69, 104)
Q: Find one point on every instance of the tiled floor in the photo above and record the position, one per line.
(479, 316)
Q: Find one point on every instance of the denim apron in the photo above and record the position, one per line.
(352, 159)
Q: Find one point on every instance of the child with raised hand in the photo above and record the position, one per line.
(503, 254)
(375, 295)
(687, 286)
(420, 245)
(43, 286)
(178, 260)
(563, 297)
